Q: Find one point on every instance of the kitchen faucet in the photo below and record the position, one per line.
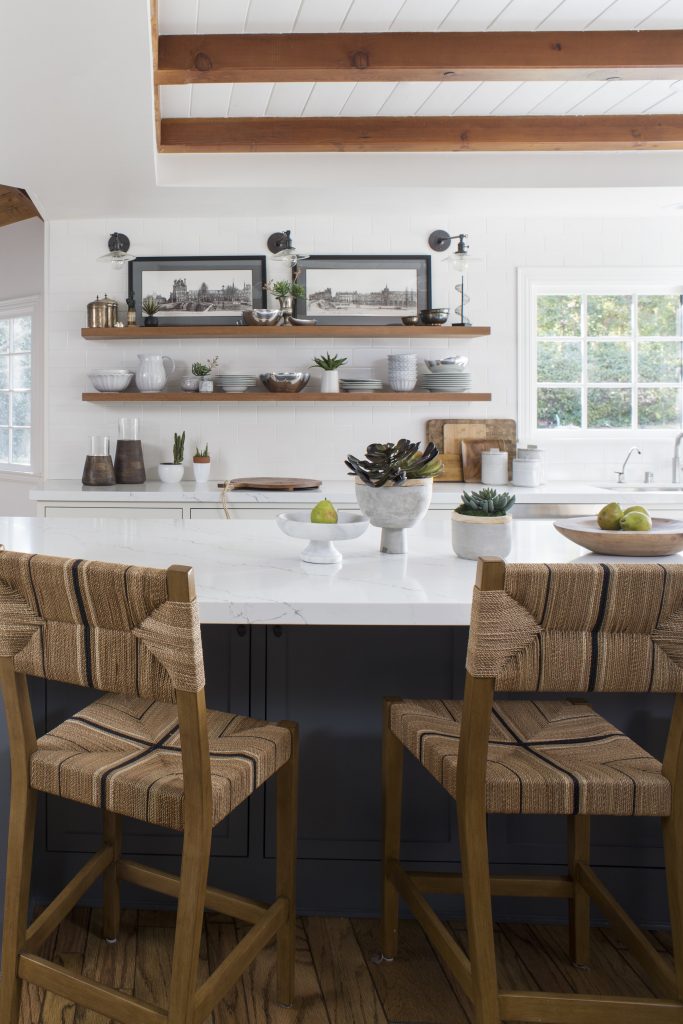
(620, 472)
(676, 466)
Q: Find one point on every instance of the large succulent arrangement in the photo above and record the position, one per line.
(485, 503)
(395, 463)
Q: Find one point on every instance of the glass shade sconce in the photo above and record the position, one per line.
(118, 254)
(282, 247)
(460, 261)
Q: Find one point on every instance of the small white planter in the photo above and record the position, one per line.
(202, 471)
(395, 508)
(476, 536)
(170, 473)
(329, 382)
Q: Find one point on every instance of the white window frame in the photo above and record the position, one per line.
(27, 306)
(535, 281)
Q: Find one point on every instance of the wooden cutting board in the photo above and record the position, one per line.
(273, 483)
(449, 443)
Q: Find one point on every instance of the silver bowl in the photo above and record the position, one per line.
(411, 321)
(261, 317)
(303, 321)
(288, 381)
(433, 317)
(451, 362)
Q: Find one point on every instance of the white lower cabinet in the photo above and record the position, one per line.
(81, 511)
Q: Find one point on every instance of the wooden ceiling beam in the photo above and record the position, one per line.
(419, 134)
(419, 56)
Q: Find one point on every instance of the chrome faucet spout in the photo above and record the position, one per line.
(676, 463)
(620, 472)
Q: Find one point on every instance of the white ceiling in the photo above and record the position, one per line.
(78, 130)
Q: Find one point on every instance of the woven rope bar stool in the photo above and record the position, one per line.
(548, 629)
(148, 749)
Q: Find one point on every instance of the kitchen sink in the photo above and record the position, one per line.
(641, 487)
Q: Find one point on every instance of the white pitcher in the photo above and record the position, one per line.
(151, 373)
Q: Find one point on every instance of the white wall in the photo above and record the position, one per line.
(21, 275)
(313, 439)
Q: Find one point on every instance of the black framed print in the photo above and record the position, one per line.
(364, 289)
(194, 290)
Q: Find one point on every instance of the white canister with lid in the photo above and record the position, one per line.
(494, 467)
(526, 472)
(532, 454)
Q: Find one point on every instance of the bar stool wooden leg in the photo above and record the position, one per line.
(477, 892)
(392, 794)
(578, 836)
(17, 894)
(189, 920)
(112, 889)
(287, 783)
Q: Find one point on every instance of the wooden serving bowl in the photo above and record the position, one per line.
(665, 537)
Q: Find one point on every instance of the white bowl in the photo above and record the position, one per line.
(447, 363)
(321, 535)
(111, 380)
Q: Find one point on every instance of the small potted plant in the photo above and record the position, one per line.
(481, 524)
(201, 464)
(150, 307)
(172, 472)
(394, 488)
(329, 380)
(201, 371)
(286, 292)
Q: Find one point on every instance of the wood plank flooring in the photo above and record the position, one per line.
(337, 980)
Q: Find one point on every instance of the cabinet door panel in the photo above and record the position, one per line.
(333, 681)
(113, 512)
(75, 827)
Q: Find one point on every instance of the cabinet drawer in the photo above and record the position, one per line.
(113, 511)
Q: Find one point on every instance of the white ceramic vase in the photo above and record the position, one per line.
(476, 536)
(151, 372)
(329, 382)
(395, 508)
(202, 471)
(170, 473)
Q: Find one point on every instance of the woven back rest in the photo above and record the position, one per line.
(576, 628)
(109, 627)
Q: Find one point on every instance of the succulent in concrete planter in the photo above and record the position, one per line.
(172, 472)
(150, 307)
(481, 524)
(394, 488)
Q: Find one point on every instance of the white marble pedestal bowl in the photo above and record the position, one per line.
(321, 536)
(395, 508)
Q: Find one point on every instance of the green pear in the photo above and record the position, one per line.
(636, 521)
(637, 508)
(610, 516)
(324, 512)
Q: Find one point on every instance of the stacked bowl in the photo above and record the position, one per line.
(402, 371)
(447, 375)
(234, 382)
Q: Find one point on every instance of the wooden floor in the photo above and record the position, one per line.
(337, 981)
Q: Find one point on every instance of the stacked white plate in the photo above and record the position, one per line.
(360, 384)
(234, 382)
(446, 380)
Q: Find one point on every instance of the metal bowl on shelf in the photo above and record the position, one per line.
(302, 321)
(286, 381)
(434, 317)
(411, 321)
(450, 362)
(261, 317)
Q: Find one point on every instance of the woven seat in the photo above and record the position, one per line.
(124, 754)
(544, 757)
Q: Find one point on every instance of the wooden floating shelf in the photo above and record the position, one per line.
(270, 396)
(320, 331)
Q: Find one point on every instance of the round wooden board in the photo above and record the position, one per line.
(665, 537)
(274, 483)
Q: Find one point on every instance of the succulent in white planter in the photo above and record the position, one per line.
(481, 524)
(329, 379)
(201, 464)
(172, 472)
(394, 488)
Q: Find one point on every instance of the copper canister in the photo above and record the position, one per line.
(112, 311)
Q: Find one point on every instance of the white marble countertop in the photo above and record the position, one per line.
(247, 571)
(342, 491)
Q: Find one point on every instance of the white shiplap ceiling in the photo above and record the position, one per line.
(368, 99)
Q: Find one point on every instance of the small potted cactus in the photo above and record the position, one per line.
(201, 464)
(482, 525)
(150, 307)
(172, 472)
(329, 379)
(394, 488)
